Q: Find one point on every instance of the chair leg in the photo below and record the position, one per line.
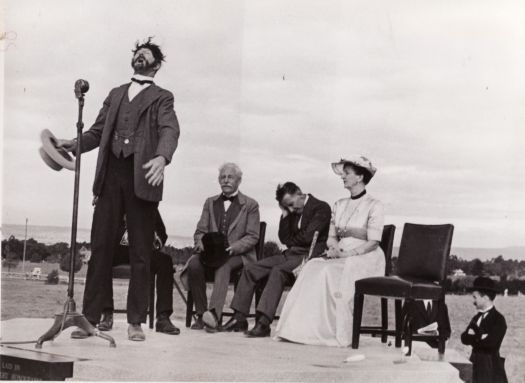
(384, 320)
(151, 308)
(189, 309)
(407, 333)
(358, 315)
(399, 324)
(441, 346)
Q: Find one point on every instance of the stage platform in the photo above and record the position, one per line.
(199, 356)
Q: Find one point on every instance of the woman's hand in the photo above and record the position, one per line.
(355, 232)
(333, 252)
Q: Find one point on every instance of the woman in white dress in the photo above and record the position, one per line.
(318, 309)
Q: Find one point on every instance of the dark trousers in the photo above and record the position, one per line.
(278, 269)
(197, 273)
(488, 367)
(118, 198)
(162, 267)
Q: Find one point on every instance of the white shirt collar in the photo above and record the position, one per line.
(234, 193)
(486, 310)
(141, 77)
(306, 199)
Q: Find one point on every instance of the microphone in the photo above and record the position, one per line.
(81, 87)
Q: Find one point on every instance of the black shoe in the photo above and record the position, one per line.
(165, 326)
(259, 331)
(198, 324)
(234, 325)
(106, 324)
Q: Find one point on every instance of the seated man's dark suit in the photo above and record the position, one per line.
(240, 224)
(296, 232)
(487, 364)
(421, 317)
(161, 266)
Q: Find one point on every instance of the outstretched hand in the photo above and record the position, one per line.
(156, 166)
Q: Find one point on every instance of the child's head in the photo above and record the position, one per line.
(483, 292)
(483, 299)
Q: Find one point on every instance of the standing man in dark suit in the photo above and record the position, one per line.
(137, 133)
(485, 333)
(236, 217)
(302, 216)
(161, 267)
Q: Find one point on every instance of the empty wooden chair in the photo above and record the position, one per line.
(421, 274)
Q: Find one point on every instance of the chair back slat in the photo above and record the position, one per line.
(387, 244)
(424, 251)
(259, 248)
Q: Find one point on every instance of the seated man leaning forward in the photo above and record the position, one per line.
(236, 217)
(302, 216)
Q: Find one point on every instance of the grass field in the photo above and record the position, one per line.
(26, 298)
(45, 267)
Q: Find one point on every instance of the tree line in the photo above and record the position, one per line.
(510, 272)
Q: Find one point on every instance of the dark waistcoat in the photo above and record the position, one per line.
(223, 218)
(126, 125)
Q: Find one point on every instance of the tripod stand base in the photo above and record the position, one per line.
(72, 319)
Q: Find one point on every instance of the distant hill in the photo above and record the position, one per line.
(484, 254)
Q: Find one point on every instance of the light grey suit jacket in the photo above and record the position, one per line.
(243, 233)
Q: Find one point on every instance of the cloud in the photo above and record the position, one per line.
(430, 92)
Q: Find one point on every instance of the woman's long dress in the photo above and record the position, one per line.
(318, 309)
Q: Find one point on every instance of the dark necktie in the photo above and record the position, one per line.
(141, 82)
(429, 309)
(225, 198)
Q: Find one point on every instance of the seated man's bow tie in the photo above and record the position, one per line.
(141, 82)
(226, 198)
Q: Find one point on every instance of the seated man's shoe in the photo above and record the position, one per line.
(234, 325)
(79, 334)
(211, 322)
(106, 324)
(198, 324)
(259, 331)
(135, 332)
(165, 326)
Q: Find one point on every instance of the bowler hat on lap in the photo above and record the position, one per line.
(215, 254)
(484, 284)
(54, 157)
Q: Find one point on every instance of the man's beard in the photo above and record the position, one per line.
(146, 67)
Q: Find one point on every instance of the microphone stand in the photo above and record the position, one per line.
(69, 317)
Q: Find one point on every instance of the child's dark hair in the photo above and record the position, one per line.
(286, 188)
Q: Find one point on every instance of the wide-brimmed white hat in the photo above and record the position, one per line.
(360, 161)
(54, 157)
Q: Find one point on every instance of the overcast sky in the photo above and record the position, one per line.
(433, 92)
